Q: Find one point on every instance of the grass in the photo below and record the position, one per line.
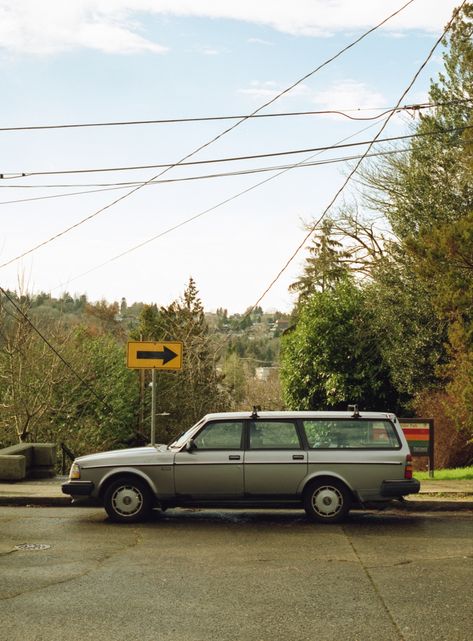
(456, 474)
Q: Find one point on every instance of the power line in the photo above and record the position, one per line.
(241, 172)
(212, 161)
(355, 169)
(200, 214)
(54, 350)
(209, 142)
(165, 121)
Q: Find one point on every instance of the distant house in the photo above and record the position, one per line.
(264, 373)
(280, 326)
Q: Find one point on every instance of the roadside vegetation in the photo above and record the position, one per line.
(96, 403)
(384, 316)
(455, 474)
(383, 313)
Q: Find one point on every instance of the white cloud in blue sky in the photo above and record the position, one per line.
(116, 26)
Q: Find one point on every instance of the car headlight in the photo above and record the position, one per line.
(74, 471)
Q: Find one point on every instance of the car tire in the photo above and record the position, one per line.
(127, 500)
(327, 501)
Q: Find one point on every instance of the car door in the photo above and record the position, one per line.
(275, 461)
(213, 468)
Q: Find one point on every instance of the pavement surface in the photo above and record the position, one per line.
(437, 495)
(235, 575)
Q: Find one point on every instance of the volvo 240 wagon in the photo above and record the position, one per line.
(324, 462)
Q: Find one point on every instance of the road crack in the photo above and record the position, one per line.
(376, 590)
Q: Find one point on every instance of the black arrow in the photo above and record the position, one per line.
(166, 355)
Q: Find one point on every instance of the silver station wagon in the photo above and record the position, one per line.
(325, 462)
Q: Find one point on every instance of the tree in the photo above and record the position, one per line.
(198, 387)
(324, 267)
(426, 194)
(410, 335)
(102, 413)
(331, 358)
(29, 372)
(91, 404)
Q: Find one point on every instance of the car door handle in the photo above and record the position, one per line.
(298, 457)
(234, 457)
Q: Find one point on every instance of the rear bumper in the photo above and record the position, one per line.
(78, 488)
(393, 489)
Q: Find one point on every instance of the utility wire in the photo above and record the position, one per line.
(358, 164)
(200, 214)
(241, 172)
(212, 161)
(284, 114)
(54, 350)
(209, 142)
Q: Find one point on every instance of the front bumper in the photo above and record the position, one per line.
(78, 488)
(394, 489)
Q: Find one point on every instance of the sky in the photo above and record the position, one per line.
(96, 61)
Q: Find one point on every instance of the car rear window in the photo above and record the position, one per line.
(356, 434)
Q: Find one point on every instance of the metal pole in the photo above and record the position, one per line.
(153, 406)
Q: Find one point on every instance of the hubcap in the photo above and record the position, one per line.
(127, 500)
(327, 500)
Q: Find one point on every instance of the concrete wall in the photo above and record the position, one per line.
(27, 460)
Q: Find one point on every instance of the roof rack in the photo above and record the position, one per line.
(256, 409)
(354, 409)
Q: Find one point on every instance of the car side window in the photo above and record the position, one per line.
(221, 435)
(347, 434)
(273, 435)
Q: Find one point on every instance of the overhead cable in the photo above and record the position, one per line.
(200, 214)
(226, 174)
(209, 142)
(212, 161)
(320, 112)
(358, 164)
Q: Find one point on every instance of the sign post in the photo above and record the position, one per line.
(164, 355)
(153, 406)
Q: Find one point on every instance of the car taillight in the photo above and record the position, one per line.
(408, 468)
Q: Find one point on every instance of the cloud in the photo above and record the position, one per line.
(312, 17)
(343, 95)
(348, 94)
(260, 41)
(51, 26)
(112, 26)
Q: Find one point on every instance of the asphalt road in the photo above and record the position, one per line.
(246, 576)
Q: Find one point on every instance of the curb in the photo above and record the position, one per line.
(36, 501)
(435, 505)
(432, 503)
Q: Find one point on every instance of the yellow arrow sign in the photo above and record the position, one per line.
(152, 355)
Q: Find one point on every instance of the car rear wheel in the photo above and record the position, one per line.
(127, 500)
(327, 501)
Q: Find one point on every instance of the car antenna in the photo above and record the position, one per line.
(354, 409)
(256, 409)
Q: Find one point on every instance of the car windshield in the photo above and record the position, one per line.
(184, 436)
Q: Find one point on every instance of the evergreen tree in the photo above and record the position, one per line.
(325, 265)
(197, 388)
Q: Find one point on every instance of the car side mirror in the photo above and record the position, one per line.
(190, 445)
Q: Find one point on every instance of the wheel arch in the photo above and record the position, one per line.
(125, 472)
(325, 476)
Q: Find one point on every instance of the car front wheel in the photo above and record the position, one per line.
(127, 500)
(327, 501)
